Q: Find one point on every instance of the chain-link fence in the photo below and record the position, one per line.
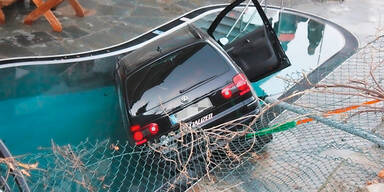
(304, 155)
(120, 166)
(313, 156)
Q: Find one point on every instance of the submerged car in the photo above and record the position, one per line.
(190, 76)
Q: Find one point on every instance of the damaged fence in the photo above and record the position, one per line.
(327, 139)
(331, 137)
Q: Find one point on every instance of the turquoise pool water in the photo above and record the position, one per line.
(65, 118)
(71, 102)
(307, 42)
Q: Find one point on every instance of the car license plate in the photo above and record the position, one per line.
(200, 121)
(190, 111)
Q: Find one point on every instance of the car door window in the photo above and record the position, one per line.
(237, 23)
(245, 32)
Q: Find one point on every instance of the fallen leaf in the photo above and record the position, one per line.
(256, 156)
(10, 165)
(375, 181)
(23, 171)
(101, 178)
(105, 186)
(381, 174)
(28, 166)
(115, 147)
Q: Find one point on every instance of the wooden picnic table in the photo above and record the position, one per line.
(44, 8)
(4, 3)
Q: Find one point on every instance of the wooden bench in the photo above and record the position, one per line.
(44, 8)
(4, 3)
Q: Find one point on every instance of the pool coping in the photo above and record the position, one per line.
(350, 46)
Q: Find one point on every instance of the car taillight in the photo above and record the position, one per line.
(240, 85)
(226, 92)
(135, 128)
(153, 128)
(138, 136)
(140, 133)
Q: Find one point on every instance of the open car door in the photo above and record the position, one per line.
(248, 37)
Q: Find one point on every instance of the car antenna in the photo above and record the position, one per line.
(159, 49)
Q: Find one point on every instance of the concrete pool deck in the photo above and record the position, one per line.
(106, 23)
(115, 21)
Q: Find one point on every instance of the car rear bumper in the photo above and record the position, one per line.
(199, 145)
(243, 111)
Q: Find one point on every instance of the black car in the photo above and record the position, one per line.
(188, 76)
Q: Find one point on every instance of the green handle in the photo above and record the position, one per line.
(272, 129)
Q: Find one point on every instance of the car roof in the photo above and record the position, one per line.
(161, 47)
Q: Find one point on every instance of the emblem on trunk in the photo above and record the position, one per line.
(184, 99)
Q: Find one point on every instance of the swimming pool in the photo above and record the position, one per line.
(72, 101)
(307, 41)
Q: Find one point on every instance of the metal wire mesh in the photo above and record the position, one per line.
(316, 157)
(100, 166)
(110, 166)
(309, 156)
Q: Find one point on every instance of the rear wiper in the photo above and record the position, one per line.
(19, 178)
(197, 84)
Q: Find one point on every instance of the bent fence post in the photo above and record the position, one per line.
(19, 178)
(330, 122)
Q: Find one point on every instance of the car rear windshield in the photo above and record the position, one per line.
(165, 78)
